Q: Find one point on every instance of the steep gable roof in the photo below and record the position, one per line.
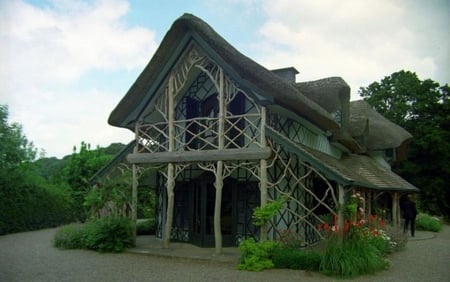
(264, 83)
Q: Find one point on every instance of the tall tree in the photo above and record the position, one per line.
(15, 148)
(26, 200)
(422, 108)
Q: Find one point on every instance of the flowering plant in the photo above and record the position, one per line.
(356, 224)
(356, 247)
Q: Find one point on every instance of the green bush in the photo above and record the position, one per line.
(296, 259)
(26, 205)
(351, 257)
(428, 223)
(109, 234)
(70, 237)
(256, 256)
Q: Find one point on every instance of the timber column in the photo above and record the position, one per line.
(170, 166)
(134, 185)
(395, 209)
(263, 172)
(219, 169)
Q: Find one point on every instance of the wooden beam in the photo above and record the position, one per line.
(199, 156)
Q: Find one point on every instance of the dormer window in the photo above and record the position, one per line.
(337, 117)
(390, 154)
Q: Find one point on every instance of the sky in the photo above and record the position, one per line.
(65, 64)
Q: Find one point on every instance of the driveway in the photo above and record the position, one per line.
(30, 256)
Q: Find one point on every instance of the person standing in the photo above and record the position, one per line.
(409, 214)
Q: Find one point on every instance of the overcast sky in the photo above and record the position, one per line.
(66, 64)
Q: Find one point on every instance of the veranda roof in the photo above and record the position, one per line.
(259, 80)
(115, 161)
(350, 170)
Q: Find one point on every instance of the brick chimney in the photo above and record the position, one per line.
(287, 73)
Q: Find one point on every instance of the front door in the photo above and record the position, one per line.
(203, 214)
(193, 219)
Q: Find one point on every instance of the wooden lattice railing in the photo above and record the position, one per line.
(154, 137)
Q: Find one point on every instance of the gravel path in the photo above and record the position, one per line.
(30, 256)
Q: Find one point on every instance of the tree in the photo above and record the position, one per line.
(80, 168)
(26, 201)
(15, 148)
(422, 108)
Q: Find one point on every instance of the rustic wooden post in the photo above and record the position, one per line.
(219, 170)
(134, 186)
(395, 210)
(263, 172)
(170, 167)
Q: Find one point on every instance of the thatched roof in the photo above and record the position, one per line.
(275, 89)
(330, 93)
(381, 133)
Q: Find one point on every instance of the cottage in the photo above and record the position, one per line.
(224, 135)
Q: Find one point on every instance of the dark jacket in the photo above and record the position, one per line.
(409, 209)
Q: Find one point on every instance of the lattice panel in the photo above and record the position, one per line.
(290, 128)
(291, 178)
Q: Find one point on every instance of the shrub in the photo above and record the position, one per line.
(104, 235)
(296, 259)
(110, 234)
(69, 237)
(256, 256)
(30, 206)
(428, 223)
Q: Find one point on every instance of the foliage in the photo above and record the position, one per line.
(27, 201)
(116, 197)
(357, 248)
(80, 167)
(146, 202)
(30, 205)
(296, 259)
(112, 234)
(145, 227)
(15, 148)
(350, 258)
(262, 215)
(70, 237)
(256, 256)
(422, 107)
(428, 223)
(109, 234)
